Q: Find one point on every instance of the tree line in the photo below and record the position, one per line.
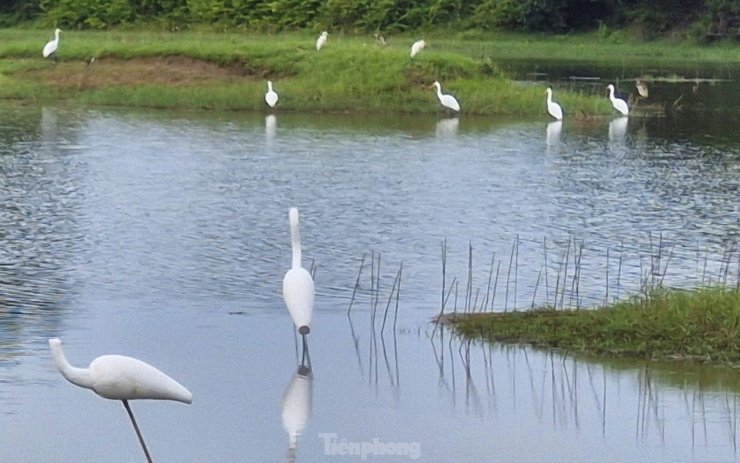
(706, 20)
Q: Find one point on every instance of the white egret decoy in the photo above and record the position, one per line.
(298, 287)
(321, 40)
(448, 101)
(51, 46)
(296, 407)
(271, 97)
(417, 47)
(117, 377)
(553, 108)
(642, 88)
(618, 103)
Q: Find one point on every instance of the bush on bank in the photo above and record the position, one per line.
(706, 20)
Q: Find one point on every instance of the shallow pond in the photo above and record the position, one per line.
(164, 236)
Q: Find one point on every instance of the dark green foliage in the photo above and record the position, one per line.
(720, 20)
(659, 16)
(15, 11)
(704, 19)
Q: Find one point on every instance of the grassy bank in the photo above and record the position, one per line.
(699, 325)
(228, 71)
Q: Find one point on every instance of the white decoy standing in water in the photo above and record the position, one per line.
(296, 407)
(448, 101)
(618, 103)
(271, 97)
(321, 40)
(298, 287)
(553, 108)
(417, 47)
(117, 377)
(51, 46)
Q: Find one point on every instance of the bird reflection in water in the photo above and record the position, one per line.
(553, 133)
(447, 128)
(618, 129)
(296, 407)
(270, 127)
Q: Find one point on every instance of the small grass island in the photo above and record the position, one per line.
(698, 325)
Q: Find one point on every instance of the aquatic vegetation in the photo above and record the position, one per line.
(654, 321)
(697, 325)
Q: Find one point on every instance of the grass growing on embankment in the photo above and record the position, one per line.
(228, 71)
(700, 325)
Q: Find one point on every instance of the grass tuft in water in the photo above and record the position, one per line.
(700, 325)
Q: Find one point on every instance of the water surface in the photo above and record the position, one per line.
(164, 236)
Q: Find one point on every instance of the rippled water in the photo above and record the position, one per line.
(165, 236)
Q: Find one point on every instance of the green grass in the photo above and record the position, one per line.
(352, 73)
(699, 325)
(616, 48)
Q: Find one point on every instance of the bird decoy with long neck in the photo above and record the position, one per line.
(118, 377)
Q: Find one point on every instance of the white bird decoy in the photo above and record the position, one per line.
(553, 108)
(51, 46)
(117, 377)
(296, 407)
(321, 40)
(417, 47)
(618, 103)
(642, 88)
(298, 287)
(271, 97)
(448, 101)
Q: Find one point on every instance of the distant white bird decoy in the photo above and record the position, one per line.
(296, 407)
(642, 88)
(448, 101)
(553, 108)
(271, 97)
(51, 46)
(417, 47)
(618, 103)
(298, 287)
(121, 378)
(321, 40)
